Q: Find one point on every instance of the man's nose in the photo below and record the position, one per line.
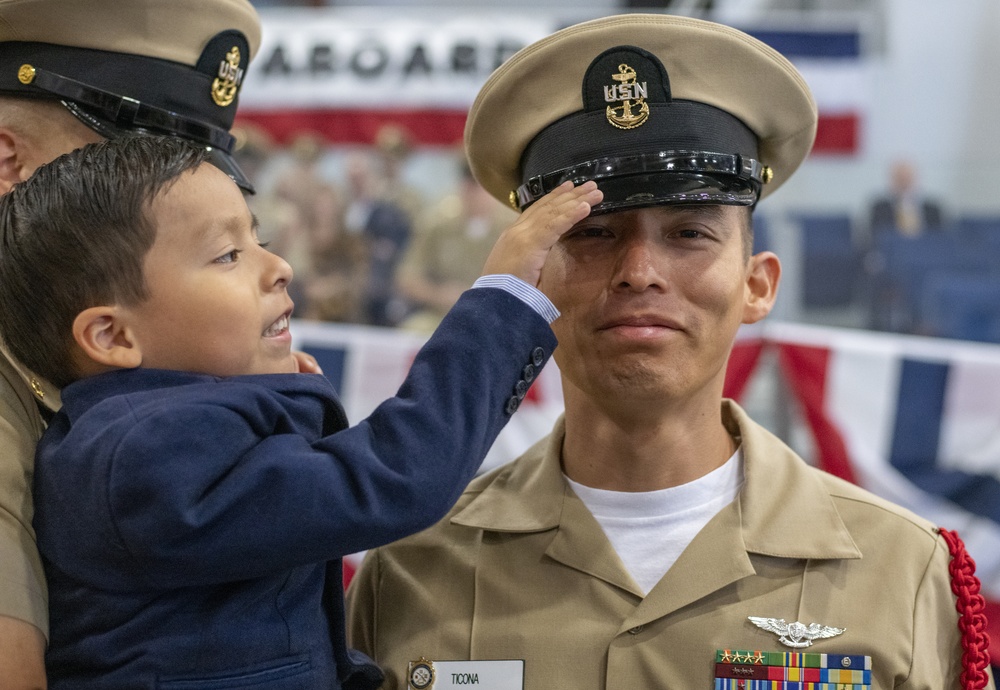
(638, 264)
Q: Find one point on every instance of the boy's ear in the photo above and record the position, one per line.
(105, 339)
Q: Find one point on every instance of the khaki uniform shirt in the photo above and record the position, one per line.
(22, 582)
(521, 570)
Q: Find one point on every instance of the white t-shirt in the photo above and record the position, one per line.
(650, 529)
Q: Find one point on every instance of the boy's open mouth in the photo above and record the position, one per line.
(278, 327)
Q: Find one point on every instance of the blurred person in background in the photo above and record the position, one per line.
(393, 150)
(385, 231)
(335, 273)
(904, 208)
(450, 245)
(903, 211)
(301, 180)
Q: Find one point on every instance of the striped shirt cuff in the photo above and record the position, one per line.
(528, 294)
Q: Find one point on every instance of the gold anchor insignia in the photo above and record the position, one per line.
(226, 85)
(629, 94)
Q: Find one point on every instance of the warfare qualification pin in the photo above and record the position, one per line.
(795, 634)
(628, 94)
(421, 674)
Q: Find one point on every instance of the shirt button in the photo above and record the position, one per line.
(636, 630)
(538, 356)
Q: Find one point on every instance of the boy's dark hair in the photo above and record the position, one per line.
(75, 235)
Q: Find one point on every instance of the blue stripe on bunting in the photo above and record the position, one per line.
(811, 44)
(919, 413)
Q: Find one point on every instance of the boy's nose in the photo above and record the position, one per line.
(279, 272)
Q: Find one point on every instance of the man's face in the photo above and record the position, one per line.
(218, 301)
(651, 300)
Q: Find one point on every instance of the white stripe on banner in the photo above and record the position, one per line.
(970, 435)
(840, 87)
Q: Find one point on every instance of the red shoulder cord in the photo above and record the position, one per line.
(972, 619)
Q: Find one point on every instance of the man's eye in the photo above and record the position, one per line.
(592, 231)
(229, 257)
(690, 233)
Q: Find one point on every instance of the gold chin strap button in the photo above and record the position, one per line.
(26, 74)
(766, 175)
(37, 388)
(512, 200)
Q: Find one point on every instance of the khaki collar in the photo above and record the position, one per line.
(43, 391)
(784, 508)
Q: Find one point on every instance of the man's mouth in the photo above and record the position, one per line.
(640, 322)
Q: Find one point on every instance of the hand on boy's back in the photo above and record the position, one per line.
(523, 247)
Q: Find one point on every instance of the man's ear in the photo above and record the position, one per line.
(763, 275)
(105, 338)
(11, 160)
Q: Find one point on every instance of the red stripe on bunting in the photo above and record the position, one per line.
(742, 363)
(836, 134)
(427, 127)
(805, 370)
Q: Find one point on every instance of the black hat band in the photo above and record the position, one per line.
(170, 86)
(107, 112)
(679, 137)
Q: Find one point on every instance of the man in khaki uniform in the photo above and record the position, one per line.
(450, 245)
(72, 72)
(659, 538)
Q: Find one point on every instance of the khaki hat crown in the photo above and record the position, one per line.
(696, 112)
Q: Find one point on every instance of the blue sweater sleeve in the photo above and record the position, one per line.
(205, 492)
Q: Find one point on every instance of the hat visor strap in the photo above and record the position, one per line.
(220, 158)
(674, 189)
(127, 113)
(740, 168)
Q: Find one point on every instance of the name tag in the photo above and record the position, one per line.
(503, 674)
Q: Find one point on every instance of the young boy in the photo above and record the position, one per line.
(195, 494)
